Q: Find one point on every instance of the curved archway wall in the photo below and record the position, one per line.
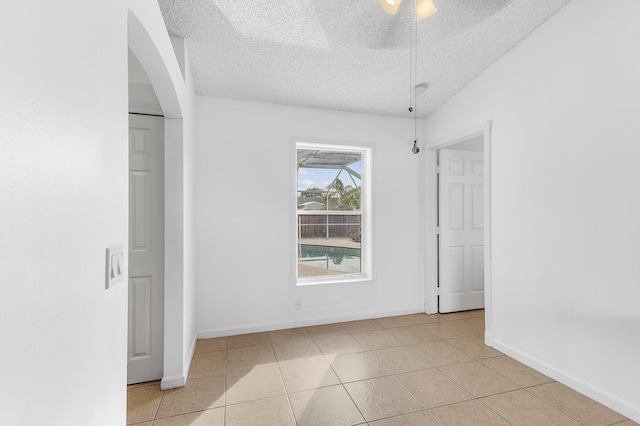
(150, 43)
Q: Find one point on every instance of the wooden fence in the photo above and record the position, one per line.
(322, 225)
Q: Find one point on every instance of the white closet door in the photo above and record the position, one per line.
(146, 249)
(461, 245)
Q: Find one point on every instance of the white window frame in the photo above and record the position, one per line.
(366, 273)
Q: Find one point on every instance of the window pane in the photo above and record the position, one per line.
(329, 181)
(329, 245)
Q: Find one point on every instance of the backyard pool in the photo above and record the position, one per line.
(340, 259)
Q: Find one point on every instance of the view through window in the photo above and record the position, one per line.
(329, 211)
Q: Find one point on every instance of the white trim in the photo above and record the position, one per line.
(366, 211)
(431, 264)
(293, 212)
(208, 334)
(172, 382)
(431, 279)
(177, 380)
(460, 136)
(488, 337)
(333, 145)
(333, 279)
(626, 408)
(330, 212)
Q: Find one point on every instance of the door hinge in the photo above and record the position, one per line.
(437, 230)
(438, 291)
(437, 169)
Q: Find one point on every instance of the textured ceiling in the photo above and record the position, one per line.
(346, 54)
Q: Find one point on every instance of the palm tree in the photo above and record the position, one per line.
(337, 186)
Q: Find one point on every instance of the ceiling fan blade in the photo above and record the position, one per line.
(390, 6)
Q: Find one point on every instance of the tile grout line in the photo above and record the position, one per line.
(226, 375)
(549, 404)
(478, 361)
(155, 414)
(340, 380)
(494, 411)
(414, 398)
(390, 374)
(502, 375)
(474, 396)
(354, 403)
(284, 386)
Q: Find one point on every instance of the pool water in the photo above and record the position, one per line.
(332, 258)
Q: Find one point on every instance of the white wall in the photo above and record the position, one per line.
(63, 201)
(566, 201)
(243, 252)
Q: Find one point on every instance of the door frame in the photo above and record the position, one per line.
(431, 273)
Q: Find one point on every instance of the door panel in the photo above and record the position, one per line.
(477, 269)
(140, 318)
(140, 227)
(146, 249)
(461, 239)
(456, 206)
(477, 207)
(456, 269)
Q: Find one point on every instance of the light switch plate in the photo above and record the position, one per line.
(115, 265)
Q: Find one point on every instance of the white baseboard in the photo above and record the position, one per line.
(179, 380)
(208, 334)
(488, 339)
(605, 398)
(171, 382)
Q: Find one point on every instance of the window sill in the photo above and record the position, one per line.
(336, 279)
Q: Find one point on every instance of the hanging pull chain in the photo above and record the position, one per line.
(412, 93)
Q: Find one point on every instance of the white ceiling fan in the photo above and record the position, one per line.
(424, 8)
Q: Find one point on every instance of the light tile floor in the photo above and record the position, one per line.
(405, 370)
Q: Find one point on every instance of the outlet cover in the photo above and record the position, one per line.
(115, 265)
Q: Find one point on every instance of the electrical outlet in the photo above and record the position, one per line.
(298, 304)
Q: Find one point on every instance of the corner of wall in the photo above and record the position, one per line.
(180, 51)
(179, 380)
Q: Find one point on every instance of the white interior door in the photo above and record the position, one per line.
(461, 238)
(146, 248)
